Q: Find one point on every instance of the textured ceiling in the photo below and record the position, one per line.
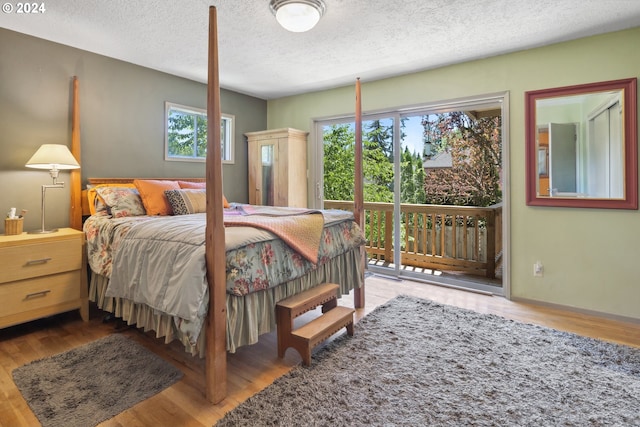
(371, 39)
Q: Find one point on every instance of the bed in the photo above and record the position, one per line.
(222, 308)
(150, 270)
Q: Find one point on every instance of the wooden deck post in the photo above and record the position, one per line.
(388, 236)
(490, 238)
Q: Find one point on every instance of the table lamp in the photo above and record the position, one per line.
(54, 157)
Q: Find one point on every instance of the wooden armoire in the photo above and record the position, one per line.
(278, 167)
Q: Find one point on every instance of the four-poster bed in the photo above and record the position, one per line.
(217, 321)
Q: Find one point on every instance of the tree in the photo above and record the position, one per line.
(474, 179)
(378, 173)
(339, 154)
(380, 136)
(420, 196)
(407, 183)
(476, 148)
(187, 134)
(338, 162)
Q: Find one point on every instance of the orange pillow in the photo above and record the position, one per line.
(152, 194)
(189, 184)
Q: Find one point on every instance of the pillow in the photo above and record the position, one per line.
(189, 184)
(121, 201)
(152, 195)
(95, 203)
(187, 201)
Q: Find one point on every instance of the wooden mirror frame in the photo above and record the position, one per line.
(630, 199)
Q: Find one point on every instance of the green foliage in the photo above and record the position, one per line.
(378, 173)
(474, 179)
(339, 155)
(420, 194)
(338, 162)
(378, 135)
(476, 149)
(187, 134)
(412, 182)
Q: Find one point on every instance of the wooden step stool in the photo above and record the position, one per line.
(305, 338)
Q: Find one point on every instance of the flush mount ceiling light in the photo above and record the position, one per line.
(297, 16)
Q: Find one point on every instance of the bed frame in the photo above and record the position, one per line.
(216, 353)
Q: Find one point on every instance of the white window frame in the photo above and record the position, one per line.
(227, 133)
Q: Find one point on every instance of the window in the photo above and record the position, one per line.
(186, 134)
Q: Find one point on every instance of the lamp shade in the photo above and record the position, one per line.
(297, 15)
(53, 156)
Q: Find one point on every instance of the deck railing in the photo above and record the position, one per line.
(454, 238)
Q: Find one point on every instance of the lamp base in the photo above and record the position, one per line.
(55, 230)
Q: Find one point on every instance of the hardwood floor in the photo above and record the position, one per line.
(251, 368)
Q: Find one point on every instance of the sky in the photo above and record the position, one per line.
(413, 133)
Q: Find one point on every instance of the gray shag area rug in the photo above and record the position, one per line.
(92, 383)
(414, 362)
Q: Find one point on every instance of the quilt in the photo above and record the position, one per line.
(160, 261)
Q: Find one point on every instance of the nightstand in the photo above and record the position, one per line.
(42, 275)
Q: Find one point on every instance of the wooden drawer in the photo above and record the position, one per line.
(39, 259)
(29, 296)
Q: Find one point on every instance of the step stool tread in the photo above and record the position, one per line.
(338, 316)
(310, 294)
(309, 299)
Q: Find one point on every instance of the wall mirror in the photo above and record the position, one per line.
(582, 146)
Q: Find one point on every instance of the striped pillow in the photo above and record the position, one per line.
(187, 201)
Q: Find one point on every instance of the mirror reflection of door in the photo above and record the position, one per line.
(543, 161)
(605, 158)
(563, 158)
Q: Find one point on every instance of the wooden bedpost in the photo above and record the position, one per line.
(358, 198)
(75, 214)
(216, 351)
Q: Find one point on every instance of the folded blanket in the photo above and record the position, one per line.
(301, 229)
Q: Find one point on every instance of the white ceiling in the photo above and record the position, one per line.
(371, 39)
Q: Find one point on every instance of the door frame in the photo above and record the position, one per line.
(316, 174)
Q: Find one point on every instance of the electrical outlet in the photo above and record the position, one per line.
(538, 269)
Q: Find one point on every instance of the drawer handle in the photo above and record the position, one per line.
(37, 294)
(38, 261)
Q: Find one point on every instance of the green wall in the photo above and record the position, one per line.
(121, 120)
(589, 255)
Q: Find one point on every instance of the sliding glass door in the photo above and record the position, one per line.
(432, 189)
(379, 173)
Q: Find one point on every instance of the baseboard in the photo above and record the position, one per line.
(572, 309)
